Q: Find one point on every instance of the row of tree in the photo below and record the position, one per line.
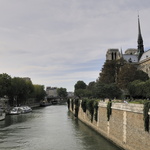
(19, 90)
(115, 78)
(139, 89)
(62, 93)
(97, 90)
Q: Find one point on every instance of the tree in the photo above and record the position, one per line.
(141, 75)
(39, 92)
(80, 92)
(19, 91)
(30, 88)
(80, 85)
(90, 90)
(91, 85)
(107, 90)
(62, 92)
(80, 88)
(128, 73)
(5, 84)
(132, 88)
(147, 89)
(139, 89)
(108, 72)
(100, 90)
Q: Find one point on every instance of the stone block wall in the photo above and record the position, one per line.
(116, 126)
(125, 127)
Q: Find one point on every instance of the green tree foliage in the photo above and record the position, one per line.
(62, 92)
(91, 86)
(5, 84)
(81, 92)
(80, 85)
(30, 88)
(19, 90)
(121, 73)
(135, 88)
(128, 73)
(90, 90)
(108, 73)
(107, 91)
(141, 75)
(80, 89)
(90, 107)
(84, 104)
(139, 89)
(77, 104)
(116, 75)
(146, 116)
(101, 91)
(39, 92)
(96, 102)
(147, 89)
(109, 110)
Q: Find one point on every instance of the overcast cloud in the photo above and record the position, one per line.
(58, 42)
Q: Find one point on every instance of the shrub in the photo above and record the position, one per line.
(146, 116)
(109, 110)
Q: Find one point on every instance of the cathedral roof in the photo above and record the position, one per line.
(130, 58)
(145, 56)
(131, 51)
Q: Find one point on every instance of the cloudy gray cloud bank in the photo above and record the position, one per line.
(58, 42)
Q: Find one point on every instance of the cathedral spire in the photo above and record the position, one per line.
(140, 40)
(121, 55)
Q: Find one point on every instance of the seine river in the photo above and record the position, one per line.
(49, 128)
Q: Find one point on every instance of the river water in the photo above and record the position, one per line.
(49, 128)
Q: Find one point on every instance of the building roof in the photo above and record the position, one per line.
(130, 58)
(131, 51)
(145, 56)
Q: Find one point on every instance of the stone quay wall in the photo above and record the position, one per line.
(125, 127)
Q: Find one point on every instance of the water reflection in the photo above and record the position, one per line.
(91, 139)
(49, 128)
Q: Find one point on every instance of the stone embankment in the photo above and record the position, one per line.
(125, 127)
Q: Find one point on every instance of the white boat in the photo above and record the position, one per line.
(2, 115)
(20, 110)
(25, 109)
(15, 111)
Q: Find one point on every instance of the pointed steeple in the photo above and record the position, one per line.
(121, 54)
(140, 40)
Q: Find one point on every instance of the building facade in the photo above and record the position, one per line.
(138, 56)
(51, 92)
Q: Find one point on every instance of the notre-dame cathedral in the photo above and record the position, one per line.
(138, 56)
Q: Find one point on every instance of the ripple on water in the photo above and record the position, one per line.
(49, 128)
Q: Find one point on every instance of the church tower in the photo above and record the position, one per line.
(112, 54)
(140, 41)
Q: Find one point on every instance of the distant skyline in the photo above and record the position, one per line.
(57, 43)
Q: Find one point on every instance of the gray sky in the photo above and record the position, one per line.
(58, 42)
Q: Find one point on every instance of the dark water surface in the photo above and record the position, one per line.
(49, 128)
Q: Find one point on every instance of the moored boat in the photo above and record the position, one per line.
(15, 111)
(25, 109)
(20, 110)
(2, 115)
(44, 103)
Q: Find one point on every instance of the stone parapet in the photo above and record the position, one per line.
(125, 127)
(138, 108)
